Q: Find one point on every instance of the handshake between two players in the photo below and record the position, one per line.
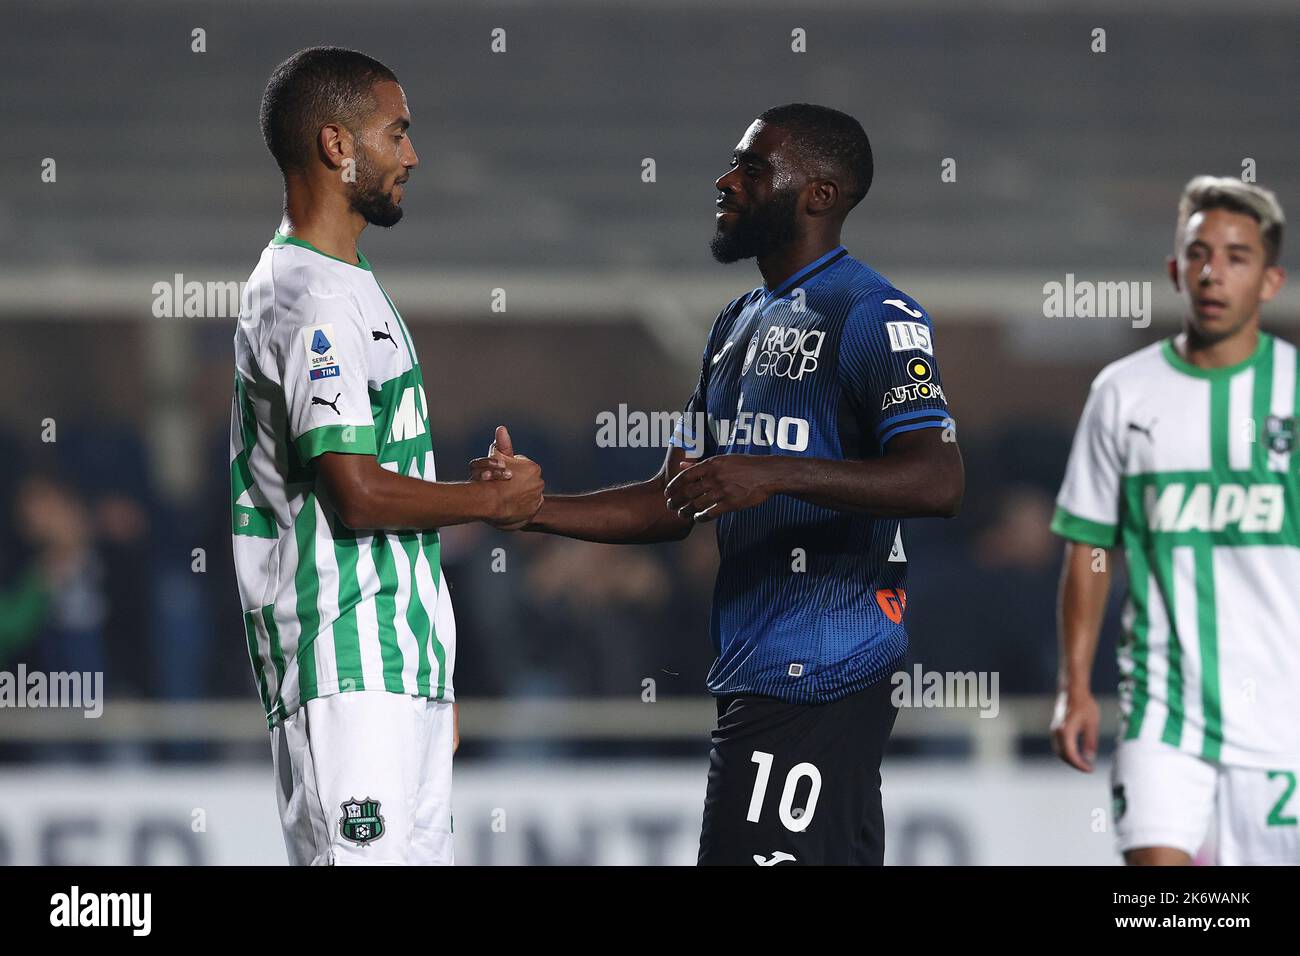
(700, 496)
(520, 499)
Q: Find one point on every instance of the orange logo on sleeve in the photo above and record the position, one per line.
(892, 601)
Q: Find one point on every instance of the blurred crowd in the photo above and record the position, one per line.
(101, 574)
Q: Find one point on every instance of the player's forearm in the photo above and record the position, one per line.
(896, 486)
(630, 514)
(1085, 585)
(391, 502)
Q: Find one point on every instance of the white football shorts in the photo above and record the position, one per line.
(365, 778)
(1163, 796)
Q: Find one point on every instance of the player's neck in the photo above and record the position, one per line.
(324, 221)
(1226, 352)
(784, 263)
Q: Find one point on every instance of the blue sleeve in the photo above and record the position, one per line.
(888, 367)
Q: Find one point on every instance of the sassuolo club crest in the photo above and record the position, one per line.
(361, 822)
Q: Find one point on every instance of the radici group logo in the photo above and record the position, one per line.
(785, 351)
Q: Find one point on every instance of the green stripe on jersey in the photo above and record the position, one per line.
(1260, 407)
(347, 644)
(1208, 629)
(255, 655)
(432, 547)
(1173, 730)
(1140, 637)
(307, 585)
(1219, 426)
(348, 439)
(416, 616)
(1073, 527)
(277, 657)
(256, 522)
(381, 553)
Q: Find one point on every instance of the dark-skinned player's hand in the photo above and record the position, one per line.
(702, 491)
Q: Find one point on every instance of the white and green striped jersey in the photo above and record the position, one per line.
(324, 363)
(1195, 471)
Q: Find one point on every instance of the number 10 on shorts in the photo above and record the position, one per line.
(785, 809)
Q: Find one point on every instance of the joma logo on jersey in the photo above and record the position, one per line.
(789, 352)
(408, 419)
(1203, 507)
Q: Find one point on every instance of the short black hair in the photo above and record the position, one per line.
(829, 143)
(315, 86)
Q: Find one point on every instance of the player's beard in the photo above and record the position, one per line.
(768, 228)
(369, 199)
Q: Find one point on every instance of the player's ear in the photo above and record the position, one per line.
(823, 196)
(334, 144)
(1274, 278)
(1171, 265)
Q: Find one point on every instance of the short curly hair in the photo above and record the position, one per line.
(315, 86)
(829, 143)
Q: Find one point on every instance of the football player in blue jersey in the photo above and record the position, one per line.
(818, 422)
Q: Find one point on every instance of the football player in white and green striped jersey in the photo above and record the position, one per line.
(1187, 457)
(335, 503)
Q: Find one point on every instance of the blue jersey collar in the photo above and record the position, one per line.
(806, 273)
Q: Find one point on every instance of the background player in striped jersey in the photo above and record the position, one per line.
(335, 506)
(826, 424)
(1186, 455)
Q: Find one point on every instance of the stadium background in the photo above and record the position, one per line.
(1068, 161)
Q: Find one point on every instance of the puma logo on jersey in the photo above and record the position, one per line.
(1135, 427)
(376, 335)
(780, 856)
(1203, 507)
(408, 419)
(321, 401)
